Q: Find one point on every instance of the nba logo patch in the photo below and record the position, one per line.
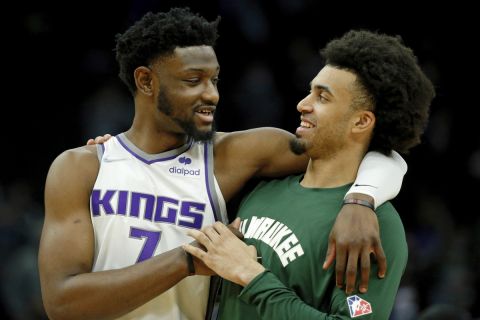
(358, 307)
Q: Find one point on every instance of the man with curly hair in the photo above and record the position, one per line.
(116, 214)
(371, 95)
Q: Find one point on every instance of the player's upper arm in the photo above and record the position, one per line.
(264, 152)
(67, 243)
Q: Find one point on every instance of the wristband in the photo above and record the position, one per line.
(380, 176)
(360, 202)
(191, 266)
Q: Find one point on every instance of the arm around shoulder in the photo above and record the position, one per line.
(379, 179)
(261, 152)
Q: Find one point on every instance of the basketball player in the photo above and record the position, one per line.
(117, 214)
(371, 95)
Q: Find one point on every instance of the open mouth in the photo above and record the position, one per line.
(306, 124)
(205, 113)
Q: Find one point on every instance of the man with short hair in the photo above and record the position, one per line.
(371, 95)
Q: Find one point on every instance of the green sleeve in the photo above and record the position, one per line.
(273, 300)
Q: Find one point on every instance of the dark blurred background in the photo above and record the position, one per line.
(61, 87)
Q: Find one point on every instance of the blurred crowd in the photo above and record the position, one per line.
(268, 52)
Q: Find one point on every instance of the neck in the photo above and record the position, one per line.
(149, 132)
(338, 170)
(152, 140)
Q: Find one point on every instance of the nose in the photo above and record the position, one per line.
(305, 105)
(210, 94)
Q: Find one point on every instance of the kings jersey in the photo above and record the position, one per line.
(143, 204)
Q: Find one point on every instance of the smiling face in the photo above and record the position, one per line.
(327, 112)
(187, 91)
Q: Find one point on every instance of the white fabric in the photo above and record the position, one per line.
(380, 176)
(154, 196)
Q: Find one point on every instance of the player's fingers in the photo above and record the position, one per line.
(351, 272)
(194, 251)
(253, 251)
(381, 261)
(219, 226)
(234, 227)
(330, 257)
(341, 259)
(227, 231)
(200, 237)
(364, 271)
(90, 142)
(235, 223)
(211, 233)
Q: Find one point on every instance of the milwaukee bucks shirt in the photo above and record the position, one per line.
(289, 225)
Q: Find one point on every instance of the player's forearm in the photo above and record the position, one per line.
(110, 294)
(273, 300)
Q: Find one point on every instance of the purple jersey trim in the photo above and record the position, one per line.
(170, 156)
(207, 174)
(100, 151)
(212, 193)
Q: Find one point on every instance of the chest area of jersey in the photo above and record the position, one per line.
(173, 192)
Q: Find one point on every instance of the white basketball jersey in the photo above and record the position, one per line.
(143, 204)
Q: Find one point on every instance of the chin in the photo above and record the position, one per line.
(205, 133)
(297, 146)
(202, 135)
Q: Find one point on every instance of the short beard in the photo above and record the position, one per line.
(164, 106)
(193, 132)
(297, 146)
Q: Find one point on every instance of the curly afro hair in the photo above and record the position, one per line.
(399, 92)
(158, 34)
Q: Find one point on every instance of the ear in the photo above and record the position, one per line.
(363, 121)
(143, 80)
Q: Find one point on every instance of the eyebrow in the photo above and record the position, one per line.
(320, 87)
(200, 69)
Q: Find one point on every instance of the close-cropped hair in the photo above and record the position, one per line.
(398, 91)
(157, 35)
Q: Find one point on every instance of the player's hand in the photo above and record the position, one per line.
(226, 254)
(200, 267)
(99, 139)
(235, 228)
(354, 236)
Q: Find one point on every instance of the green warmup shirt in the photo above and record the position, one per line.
(289, 225)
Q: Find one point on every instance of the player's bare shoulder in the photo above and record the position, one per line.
(218, 138)
(80, 164)
(78, 157)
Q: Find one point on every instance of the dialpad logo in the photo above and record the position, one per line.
(184, 160)
(184, 171)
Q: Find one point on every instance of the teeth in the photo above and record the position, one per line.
(306, 124)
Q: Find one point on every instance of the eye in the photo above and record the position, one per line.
(192, 80)
(322, 98)
(215, 80)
